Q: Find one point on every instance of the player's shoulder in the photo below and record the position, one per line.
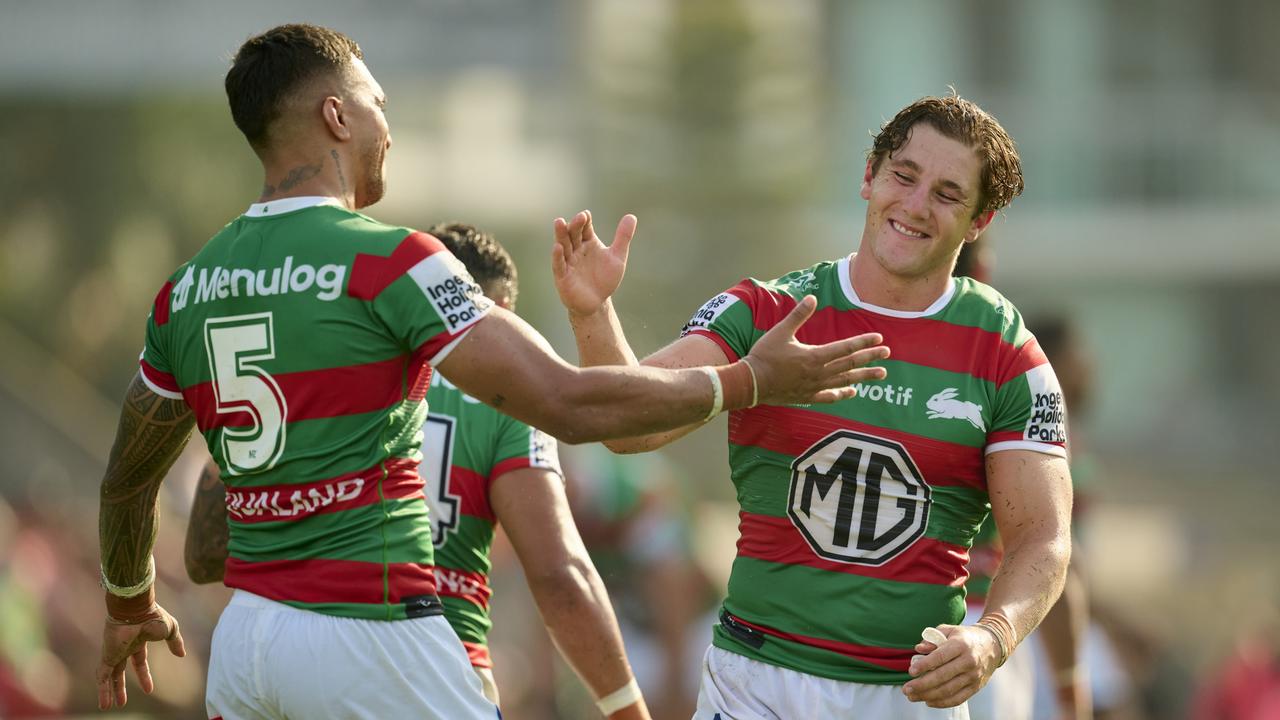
(805, 281)
(979, 305)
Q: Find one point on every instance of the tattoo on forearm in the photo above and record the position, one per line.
(152, 432)
(205, 552)
(338, 164)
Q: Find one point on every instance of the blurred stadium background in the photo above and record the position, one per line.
(735, 130)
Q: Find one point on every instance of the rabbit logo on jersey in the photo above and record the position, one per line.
(447, 284)
(1048, 421)
(708, 313)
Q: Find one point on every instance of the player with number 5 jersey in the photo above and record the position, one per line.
(300, 342)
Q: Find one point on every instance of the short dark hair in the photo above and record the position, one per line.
(488, 262)
(963, 121)
(268, 68)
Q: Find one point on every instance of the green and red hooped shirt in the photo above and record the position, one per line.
(856, 518)
(302, 337)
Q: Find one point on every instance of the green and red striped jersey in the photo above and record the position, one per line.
(856, 517)
(466, 446)
(302, 337)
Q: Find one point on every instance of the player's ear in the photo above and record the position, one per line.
(866, 181)
(334, 119)
(980, 223)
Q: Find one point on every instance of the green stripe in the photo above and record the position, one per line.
(362, 611)
(467, 619)
(847, 608)
(810, 660)
(353, 534)
(467, 546)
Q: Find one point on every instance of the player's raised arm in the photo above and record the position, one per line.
(587, 273)
(508, 365)
(152, 432)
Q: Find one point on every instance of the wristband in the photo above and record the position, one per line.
(998, 625)
(717, 393)
(131, 590)
(738, 385)
(625, 696)
(755, 384)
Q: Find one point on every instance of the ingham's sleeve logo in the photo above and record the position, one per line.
(708, 313)
(1048, 420)
(456, 297)
(543, 451)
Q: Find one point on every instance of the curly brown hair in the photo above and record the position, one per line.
(269, 67)
(488, 262)
(965, 122)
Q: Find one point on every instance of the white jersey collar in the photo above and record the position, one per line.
(846, 284)
(284, 205)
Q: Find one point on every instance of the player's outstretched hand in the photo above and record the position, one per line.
(127, 641)
(789, 372)
(948, 674)
(587, 272)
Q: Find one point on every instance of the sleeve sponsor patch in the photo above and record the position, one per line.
(708, 313)
(542, 451)
(1048, 421)
(457, 299)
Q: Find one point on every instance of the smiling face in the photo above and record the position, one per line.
(922, 205)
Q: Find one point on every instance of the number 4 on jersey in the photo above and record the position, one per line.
(234, 344)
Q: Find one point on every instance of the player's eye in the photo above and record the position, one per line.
(903, 178)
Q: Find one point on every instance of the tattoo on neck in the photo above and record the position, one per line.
(498, 400)
(341, 178)
(268, 190)
(300, 174)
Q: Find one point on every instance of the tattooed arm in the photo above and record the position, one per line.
(151, 434)
(205, 551)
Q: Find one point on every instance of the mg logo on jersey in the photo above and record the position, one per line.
(183, 289)
(858, 498)
(945, 406)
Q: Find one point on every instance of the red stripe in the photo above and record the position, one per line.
(506, 466)
(330, 581)
(920, 341)
(792, 431)
(371, 274)
(435, 344)
(298, 501)
(896, 659)
(927, 560)
(478, 655)
(160, 309)
(159, 379)
(465, 585)
(311, 394)
(473, 490)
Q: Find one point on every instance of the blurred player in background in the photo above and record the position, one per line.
(480, 468)
(300, 340)
(856, 518)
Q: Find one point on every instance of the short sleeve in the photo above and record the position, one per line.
(1030, 411)
(154, 365)
(522, 446)
(728, 320)
(422, 293)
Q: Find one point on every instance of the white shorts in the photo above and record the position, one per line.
(270, 660)
(735, 687)
(1010, 692)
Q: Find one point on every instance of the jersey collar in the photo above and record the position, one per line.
(284, 205)
(846, 284)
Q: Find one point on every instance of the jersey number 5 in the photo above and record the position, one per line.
(234, 344)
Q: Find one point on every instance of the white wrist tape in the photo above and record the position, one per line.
(755, 384)
(131, 590)
(625, 696)
(717, 393)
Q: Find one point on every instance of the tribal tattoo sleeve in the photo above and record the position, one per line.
(151, 434)
(205, 551)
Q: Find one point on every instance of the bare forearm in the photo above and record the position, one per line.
(205, 551)
(600, 338)
(576, 610)
(1029, 582)
(152, 432)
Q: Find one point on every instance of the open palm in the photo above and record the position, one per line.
(586, 271)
